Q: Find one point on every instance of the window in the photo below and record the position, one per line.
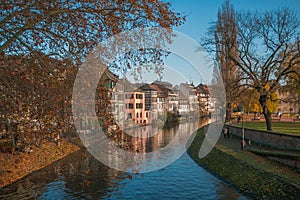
(137, 115)
(113, 97)
(139, 96)
(129, 116)
(161, 99)
(120, 97)
(146, 114)
(138, 105)
(112, 84)
(128, 96)
(129, 105)
(141, 115)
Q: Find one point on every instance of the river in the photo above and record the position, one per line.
(81, 176)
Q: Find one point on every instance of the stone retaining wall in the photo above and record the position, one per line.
(278, 140)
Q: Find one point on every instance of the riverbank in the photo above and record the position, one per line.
(17, 165)
(254, 175)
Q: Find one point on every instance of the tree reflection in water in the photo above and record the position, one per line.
(81, 176)
(71, 177)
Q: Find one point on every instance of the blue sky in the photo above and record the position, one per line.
(200, 13)
(199, 16)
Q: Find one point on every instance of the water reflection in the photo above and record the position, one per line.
(152, 138)
(81, 176)
(69, 178)
(148, 154)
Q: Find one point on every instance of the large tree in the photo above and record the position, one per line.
(266, 52)
(70, 29)
(223, 36)
(44, 42)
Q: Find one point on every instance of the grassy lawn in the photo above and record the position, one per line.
(281, 127)
(255, 175)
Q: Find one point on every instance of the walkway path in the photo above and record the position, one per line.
(234, 143)
(232, 146)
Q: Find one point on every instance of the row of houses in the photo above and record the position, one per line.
(142, 104)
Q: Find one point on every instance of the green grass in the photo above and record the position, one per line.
(280, 127)
(249, 173)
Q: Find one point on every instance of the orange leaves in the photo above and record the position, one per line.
(31, 94)
(129, 176)
(82, 24)
(136, 173)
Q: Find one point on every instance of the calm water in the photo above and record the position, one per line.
(80, 176)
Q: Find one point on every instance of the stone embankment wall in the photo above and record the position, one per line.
(278, 140)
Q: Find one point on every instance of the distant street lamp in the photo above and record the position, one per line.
(243, 143)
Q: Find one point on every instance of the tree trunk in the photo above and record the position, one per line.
(266, 112)
(228, 112)
(267, 115)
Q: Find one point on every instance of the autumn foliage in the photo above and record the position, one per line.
(42, 46)
(35, 104)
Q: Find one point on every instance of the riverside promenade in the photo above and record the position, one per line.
(264, 157)
(255, 175)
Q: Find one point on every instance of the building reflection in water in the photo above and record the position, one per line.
(81, 176)
(151, 138)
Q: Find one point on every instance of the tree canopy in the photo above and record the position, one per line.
(70, 29)
(42, 43)
(265, 50)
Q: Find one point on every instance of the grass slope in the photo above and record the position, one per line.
(250, 179)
